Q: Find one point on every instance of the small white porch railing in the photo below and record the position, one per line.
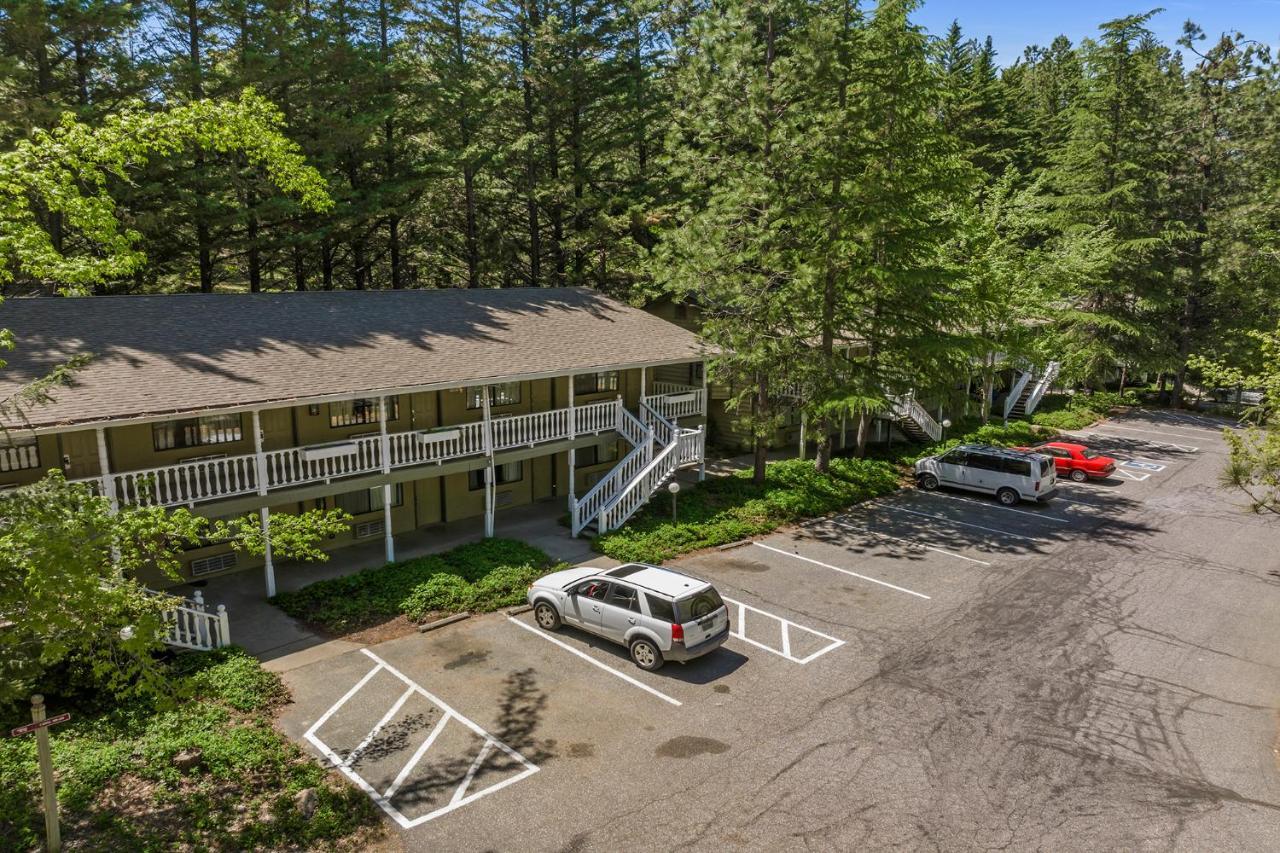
(1015, 392)
(1042, 386)
(189, 625)
(905, 407)
(637, 492)
(677, 401)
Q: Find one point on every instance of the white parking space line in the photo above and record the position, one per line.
(997, 507)
(966, 524)
(1181, 448)
(842, 571)
(1078, 501)
(1129, 475)
(586, 657)
(784, 628)
(461, 797)
(871, 532)
(354, 755)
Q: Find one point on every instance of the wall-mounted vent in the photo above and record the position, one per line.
(365, 529)
(504, 499)
(216, 563)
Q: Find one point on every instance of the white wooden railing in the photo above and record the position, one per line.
(1015, 392)
(189, 625)
(692, 446)
(1042, 386)
(677, 401)
(905, 407)
(587, 508)
(639, 489)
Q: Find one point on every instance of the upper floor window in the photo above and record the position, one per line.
(502, 394)
(345, 413)
(196, 432)
(595, 383)
(18, 452)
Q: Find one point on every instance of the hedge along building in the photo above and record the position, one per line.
(407, 409)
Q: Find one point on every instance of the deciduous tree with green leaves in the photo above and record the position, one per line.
(69, 583)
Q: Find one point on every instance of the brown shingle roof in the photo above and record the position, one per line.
(157, 355)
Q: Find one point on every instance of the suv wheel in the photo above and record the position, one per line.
(546, 616)
(1007, 496)
(1079, 475)
(928, 482)
(645, 654)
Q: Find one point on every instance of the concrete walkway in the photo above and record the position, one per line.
(283, 643)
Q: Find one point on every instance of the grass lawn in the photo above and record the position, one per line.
(726, 509)
(118, 788)
(477, 577)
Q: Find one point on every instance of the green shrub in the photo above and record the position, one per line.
(245, 762)
(727, 509)
(453, 581)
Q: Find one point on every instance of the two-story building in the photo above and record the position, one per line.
(406, 409)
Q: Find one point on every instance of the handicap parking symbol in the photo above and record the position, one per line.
(1143, 465)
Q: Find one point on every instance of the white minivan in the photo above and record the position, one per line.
(1010, 475)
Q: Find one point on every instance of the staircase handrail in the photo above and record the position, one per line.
(1015, 391)
(630, 427)
(636, 492)
(667, 431)
(906, 406)
(1042, 386)
(586, 508)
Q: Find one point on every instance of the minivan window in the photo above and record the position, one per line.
(696, 606)
(985, 461)
(955, 457)
(660, 608)
(1046, 465)
(1020, 467)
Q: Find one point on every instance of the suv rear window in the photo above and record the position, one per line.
(696, 606)
(1046, 465)
(660, 608)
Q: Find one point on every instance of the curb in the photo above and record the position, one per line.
(516, 611)
(440, 623)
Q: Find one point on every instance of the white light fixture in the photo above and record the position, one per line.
(126, 633)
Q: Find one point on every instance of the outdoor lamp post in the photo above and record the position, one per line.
(674, 489)
(946, 422)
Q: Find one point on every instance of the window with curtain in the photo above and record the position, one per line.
(346, 413)
(595, 383)
(196, 432)
(502, 394)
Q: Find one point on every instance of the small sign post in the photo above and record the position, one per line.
(40, 725)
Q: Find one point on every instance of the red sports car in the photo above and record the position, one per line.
(1075, 460)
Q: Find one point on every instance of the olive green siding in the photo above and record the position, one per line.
(431, 494)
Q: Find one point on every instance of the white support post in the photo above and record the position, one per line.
(268, 568)
(802, 426)
(706, 394)
(264, 514)
(643, 383)
(702, 453)
(573, 454)
(488, 471)
(384, 450)
(104, 468)
(224, 626)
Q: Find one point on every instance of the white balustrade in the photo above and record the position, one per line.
(188, 482)
(677, 401)
(188, 625)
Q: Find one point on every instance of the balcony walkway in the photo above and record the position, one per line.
(283, 643)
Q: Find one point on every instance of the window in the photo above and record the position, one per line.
(1020, 467)
(596, 455)
(595, 383)
(18, 452)
(512, 472)
(698, 605)
(956, 457)
(196, 432)
(986, 462)
(625, 597)
(368, 500)
(502, 394)
(593, 589)
(363, 411)
(660, 608)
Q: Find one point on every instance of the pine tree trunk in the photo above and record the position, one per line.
(393, 246)
(864, 428)
(531, 160)
(760, 412)
(299, 269)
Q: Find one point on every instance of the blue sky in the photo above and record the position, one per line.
(1013, 24)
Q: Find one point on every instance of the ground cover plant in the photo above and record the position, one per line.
(476, 577)
(726, 509)
(1077, 411)
(119, 786)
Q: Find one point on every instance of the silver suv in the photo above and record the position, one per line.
(658, 614)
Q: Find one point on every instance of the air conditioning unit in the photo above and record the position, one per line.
(366, 529)
(216, 563)
(333, 450)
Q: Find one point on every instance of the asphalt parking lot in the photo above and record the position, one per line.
(930, 670)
